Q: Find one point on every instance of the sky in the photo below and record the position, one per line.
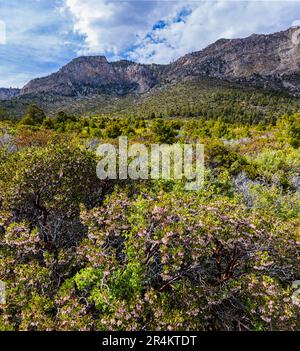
(37, 37)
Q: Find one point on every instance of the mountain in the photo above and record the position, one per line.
(8, 93)
(270, 61)
(86, 76)
(231, 76)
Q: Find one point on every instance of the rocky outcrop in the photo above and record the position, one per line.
(92, 75)
(8, 93)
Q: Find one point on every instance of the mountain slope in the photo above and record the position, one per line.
(196, 97)
(213, 98)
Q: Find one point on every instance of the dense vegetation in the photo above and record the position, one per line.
(77, 253)
(198, 97)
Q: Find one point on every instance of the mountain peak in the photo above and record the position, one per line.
(85, 59)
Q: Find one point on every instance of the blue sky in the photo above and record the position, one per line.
(43, 35)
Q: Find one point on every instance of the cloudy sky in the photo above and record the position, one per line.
(43, 35)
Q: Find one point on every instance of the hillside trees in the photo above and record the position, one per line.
(164, 131)
(3, 114)
(289, 129)
(34, 115)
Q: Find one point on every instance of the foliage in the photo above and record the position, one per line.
(289, 129)
(77, 253)
(164, 131)
(35, 115)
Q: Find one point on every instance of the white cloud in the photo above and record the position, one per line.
(120, 28)
(114, 26)
(2, 33)
(32, 24)
(36, 34)
(210, 21)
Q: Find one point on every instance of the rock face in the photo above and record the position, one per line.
(270, 61)
(94, 75)
(7, 93)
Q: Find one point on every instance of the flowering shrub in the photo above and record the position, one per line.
(77, 253)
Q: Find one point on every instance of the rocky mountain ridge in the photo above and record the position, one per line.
(269, 61)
